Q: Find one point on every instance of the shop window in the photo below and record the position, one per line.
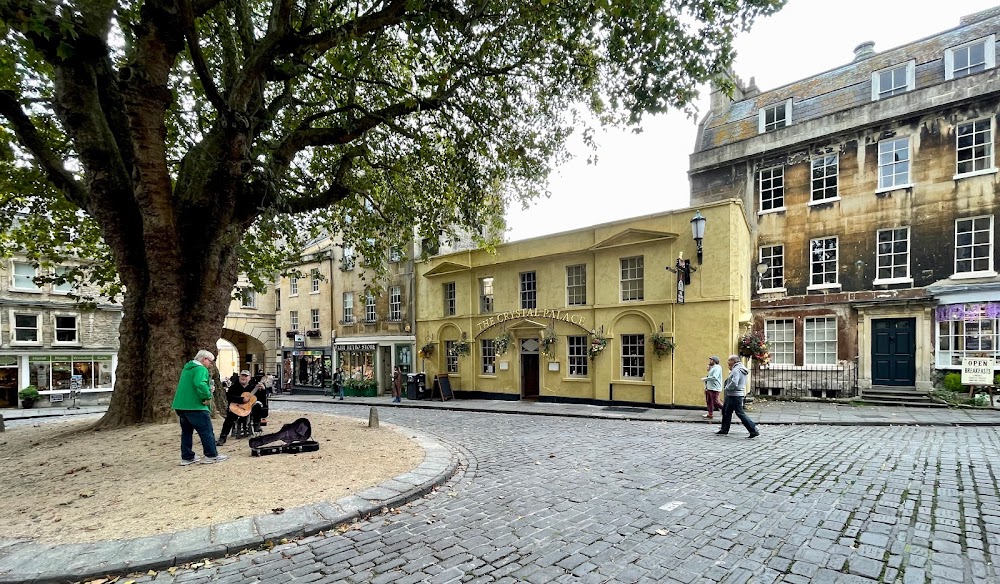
(395, 304)
(632, 279)
(451, 357)
(488, 355)
(311, 369)
(576, 285)
(23, 279)
(780, 335)
(966, 330)
(65, 329)
(633, 356)
(529, 290)
(576, 346)
(26, 329)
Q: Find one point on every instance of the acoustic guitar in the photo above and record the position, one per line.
(243, 410)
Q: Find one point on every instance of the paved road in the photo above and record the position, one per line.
(547, 499)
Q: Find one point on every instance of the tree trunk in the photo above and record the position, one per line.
(176, 311)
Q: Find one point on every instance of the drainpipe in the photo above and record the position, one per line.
(333, 318)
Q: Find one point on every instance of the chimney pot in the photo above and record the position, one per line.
(864, 50)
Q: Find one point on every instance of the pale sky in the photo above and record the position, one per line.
(647, 173)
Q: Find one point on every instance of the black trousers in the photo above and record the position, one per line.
(256, 413)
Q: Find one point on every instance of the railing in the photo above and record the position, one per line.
(839, 381)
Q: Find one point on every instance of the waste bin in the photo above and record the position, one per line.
(416, 385)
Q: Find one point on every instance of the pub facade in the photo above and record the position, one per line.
(604, 314)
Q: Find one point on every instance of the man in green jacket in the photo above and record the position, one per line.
(194, 393)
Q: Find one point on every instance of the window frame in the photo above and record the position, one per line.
(314, 319)
(529, 289)
(248, 298)
(908, 182)
(576, 285)
(450, 357)
(348, 307)
(910, 77)
(450, 296)
(768, 259)
(825, 188)
(395, 304)
(64, 288)
(14, 328)
(293, 319)
(763, 126)
(879, 257)
(633, 356)
(347, 259)
(808, 355)
(952, 333)
(776, 173)
(577, 358)
(634, 276)
(989, 56)
(824, 285)
(781, 348)
(293, 286)
(486, 295)
(371, 308)
(487, 356)
(55, 329)
(990, 158)
(314, 281)
(15, 278)
(989, 271)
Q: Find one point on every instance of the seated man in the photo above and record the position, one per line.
(234, 395)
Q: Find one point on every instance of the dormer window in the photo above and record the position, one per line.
(893, 81)
(774, 116)
(969, 58)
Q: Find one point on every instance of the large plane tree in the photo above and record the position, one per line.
(165, 146)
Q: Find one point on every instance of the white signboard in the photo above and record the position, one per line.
(977, 371)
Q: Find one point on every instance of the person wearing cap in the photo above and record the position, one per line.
(194, 393)
(234, 395)
(713, 385)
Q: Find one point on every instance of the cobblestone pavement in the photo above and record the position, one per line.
(546, 499)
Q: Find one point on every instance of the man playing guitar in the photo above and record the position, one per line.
(242, 402)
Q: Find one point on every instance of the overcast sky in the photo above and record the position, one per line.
(647, 173)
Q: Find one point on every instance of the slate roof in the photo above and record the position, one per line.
(845, 87)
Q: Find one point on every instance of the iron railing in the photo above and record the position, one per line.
(840, 381)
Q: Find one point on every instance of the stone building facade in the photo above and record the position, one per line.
(47, 339)
(872, 191)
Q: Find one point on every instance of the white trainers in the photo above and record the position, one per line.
(210, 460)
(192, 461)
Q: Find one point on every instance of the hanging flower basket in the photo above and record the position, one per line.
(753, 344)
(462, 348)
(548, 343)
(662, 344)
(502, 343)
(426, 351)
(597, 344)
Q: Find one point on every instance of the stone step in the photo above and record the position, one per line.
(889, 402)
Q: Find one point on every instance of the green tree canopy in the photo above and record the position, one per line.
(171, 143)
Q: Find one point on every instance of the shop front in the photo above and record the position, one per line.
(307, 369)
(87, 377)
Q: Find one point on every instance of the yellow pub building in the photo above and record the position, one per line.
(626, 312)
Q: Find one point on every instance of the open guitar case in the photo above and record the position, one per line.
(295, 438)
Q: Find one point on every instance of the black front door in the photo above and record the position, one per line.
(529, 368)
(894, 350)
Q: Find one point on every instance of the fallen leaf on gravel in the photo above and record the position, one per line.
(86, 494)
(278, 510)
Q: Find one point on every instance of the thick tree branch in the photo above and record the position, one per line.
(46, 158)
(194, 46)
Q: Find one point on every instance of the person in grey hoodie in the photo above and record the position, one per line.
(736, 390)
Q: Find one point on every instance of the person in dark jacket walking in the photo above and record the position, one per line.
(194, 393)
(736, 390)
(397, 384)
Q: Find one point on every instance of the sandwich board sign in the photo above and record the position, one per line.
(977, 371)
